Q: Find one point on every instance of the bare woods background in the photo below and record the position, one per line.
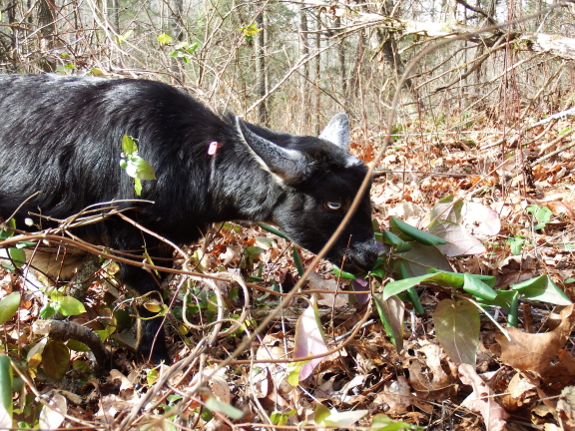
(290, 65)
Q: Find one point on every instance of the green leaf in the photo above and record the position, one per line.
(343, 274)
(123, 319)
(138, 186)
(96, 71)
(138, 168)
(251, 30)
(70, 306)
(55, 359)
(78, 346)
(457, 329)
(186, 48)
(292, 372)
(474, 285)
(320, 413)
(279, 418)
(411, 292)
(154, 306)
(297, 261)
(391, 313)
(135, 166)
(129, 145)
(265, 242)
(122, 37)
(543, 215)
(47, 311)
(273, 230)
(183, 51)
(441, 278)
(215, 405)
(180, 54)
(104, 334)
(383, 422)
(420, 260)
(9, 307)
(487, 279)
(391, 239)
(165, 38)
(7, 233)
(542, 289)
(6, 384)
(152, 376)
(513, 316)
(516, 245)
(414, 233)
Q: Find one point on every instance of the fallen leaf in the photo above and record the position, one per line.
(309, 339)
(482, 219)
(519, 392)
(566, 407)
(457, 329)
(536, 351)
(436, 383)
(328, 299)
(398, 398)
(51, 416)
(481, 400)
(563, 371)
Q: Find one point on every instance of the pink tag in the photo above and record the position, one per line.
(213, 148)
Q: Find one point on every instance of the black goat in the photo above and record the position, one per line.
(61, 136)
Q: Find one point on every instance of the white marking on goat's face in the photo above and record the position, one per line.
(351, 160)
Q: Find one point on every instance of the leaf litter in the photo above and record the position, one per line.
(521, 375)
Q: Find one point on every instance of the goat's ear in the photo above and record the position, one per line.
(290, 166)
(337, 131)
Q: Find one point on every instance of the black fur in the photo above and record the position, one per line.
(62, 136)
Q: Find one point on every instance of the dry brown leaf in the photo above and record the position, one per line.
(566, 408)
(520, 391)
(398, 397)
(563, 371)
(518, 386)
(110, 406)
(125, 382)
(543, 414)
(271, 378)
(535, 351)
(440, 384)
(481, 400)
(562, 208)
(315, 282)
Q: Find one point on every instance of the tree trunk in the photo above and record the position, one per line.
(304, 90)
(46, 18)
(260, 48)
(177, 24)
(342, 68)
(317, 93)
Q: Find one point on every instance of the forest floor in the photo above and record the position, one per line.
(363, 376)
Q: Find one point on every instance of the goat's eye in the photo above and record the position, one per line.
(333, 205)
